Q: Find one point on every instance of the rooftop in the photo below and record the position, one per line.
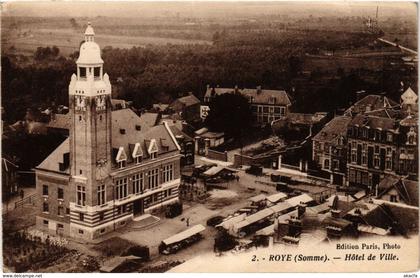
(125, 134)
(333, 129)
(258, 95)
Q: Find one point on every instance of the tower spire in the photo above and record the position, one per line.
(89, 33)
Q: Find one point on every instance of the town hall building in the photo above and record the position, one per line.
(110, 169)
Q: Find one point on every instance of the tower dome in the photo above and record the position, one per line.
(90, 53)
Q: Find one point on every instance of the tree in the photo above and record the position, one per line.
(230, 113)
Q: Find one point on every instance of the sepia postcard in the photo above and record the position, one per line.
(209, 136)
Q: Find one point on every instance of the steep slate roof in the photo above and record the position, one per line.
(373, 122)
(121, 119)
(388, 215)
(127, 119)
(147, 120)
(60, 121)
(259, 96)
(177, 132)
(407, 189)
(51, 163)
(188, 100)
(374, 102)
(333, 129)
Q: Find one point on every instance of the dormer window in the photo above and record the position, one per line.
(121, 158)
(121, 164)
(138, 159)
(153, 149)
(137, 153)
(272, 100)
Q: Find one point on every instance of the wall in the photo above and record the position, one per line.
(222, 156)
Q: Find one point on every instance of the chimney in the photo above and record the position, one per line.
(259, 90)
(335, 213)
(301, 210)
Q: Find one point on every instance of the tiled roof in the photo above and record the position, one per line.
(259, 95)
(372, 102)
(407, 189)
(177, 132)
(188, 100)
(51, 163)
(59, 121)
(373, 122)
(126, 120)
(147, 120)
(333, 129)
(389, 215)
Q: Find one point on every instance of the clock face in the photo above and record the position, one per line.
(100, 102)
(101, 172)
(80, 102)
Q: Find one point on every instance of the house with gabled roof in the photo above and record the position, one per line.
(266, 105)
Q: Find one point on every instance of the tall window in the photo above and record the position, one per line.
(327, 164)
(153, 178)
(138, 183)
(376, 161)
(167, 174)
(45, 207)
(45, 190)
(121, 189)
(60, 193)
(81, 195)
(60, 211)
(101, 194)
(388, 163)
(353, 156)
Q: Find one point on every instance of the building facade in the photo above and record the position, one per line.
(266, 105)
(382, 142)
(109, 170)
(329, 149)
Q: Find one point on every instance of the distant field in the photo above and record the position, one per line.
(333, 63)
(407, 40)
(68, 40)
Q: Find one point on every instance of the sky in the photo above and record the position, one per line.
(206, 8)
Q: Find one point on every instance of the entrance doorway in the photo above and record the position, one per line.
(138, 207)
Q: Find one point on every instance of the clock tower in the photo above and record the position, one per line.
(90, 130)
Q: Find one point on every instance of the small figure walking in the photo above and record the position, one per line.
(237, 178)
(188, 222)
(22, 194)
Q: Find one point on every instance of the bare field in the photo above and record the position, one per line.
(67, 40)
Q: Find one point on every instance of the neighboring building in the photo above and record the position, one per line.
(205, 139)
(187, 107)
(109, 170)
(370, 103)
(59, 123)
(329, 149)
(398, 190)
(8, 178)
(266, 105)
(118, 104)
(297, 126)
(382, 142)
